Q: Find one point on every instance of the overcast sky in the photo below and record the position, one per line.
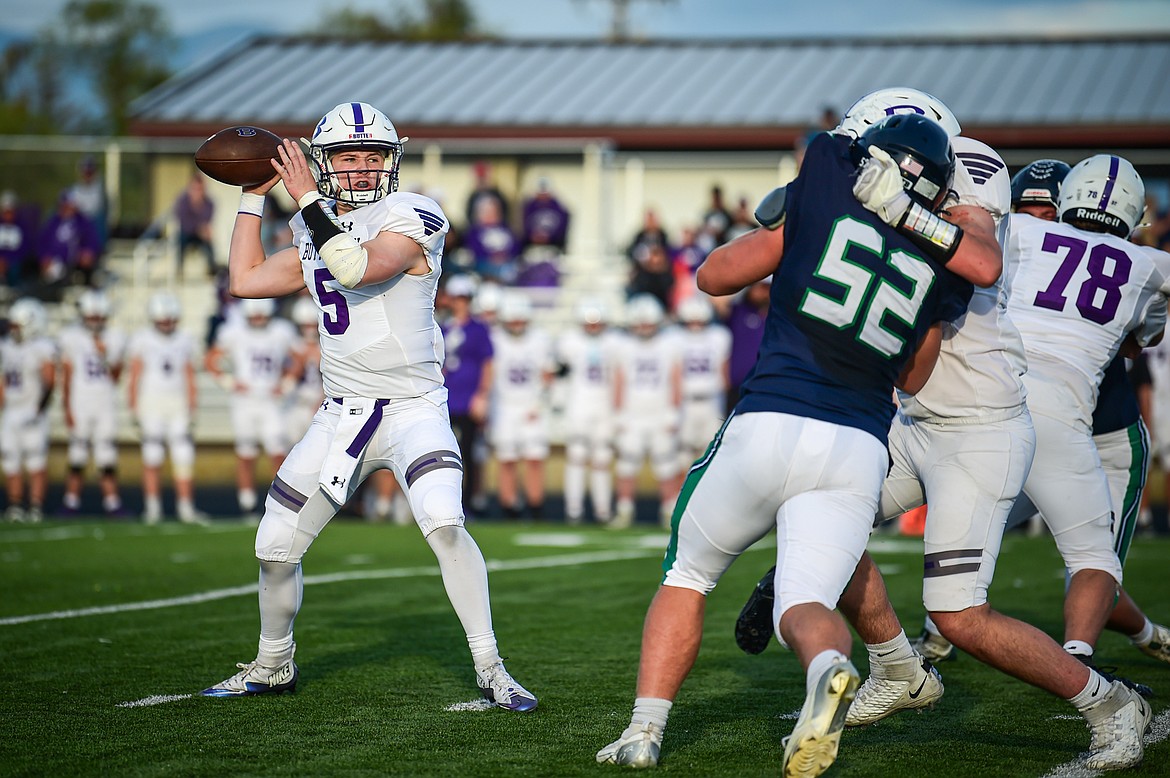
(680, 18)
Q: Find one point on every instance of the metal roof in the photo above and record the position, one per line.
(677, 94)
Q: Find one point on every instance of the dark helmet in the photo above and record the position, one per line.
(921, 149)
(1039, 182)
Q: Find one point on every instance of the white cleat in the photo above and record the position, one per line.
(254, 678)
(194, 517)
(1117, 725)
(14, 514)
(1159, 645)
(498, 686)
(36, 515)
(934, 647)
(638, 746)
(812, 746)
(916, 685)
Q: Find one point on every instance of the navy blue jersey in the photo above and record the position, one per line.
(1117, 406)
(851, 301)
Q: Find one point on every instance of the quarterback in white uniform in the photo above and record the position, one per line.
(649, 399)
(521, 360)
(705, 351)
(371, 257)
(28, 368)
(163, 400)
(92, 356)
(259, 349)
(588, 357)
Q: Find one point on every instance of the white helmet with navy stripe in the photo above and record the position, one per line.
(1103, 192)
(875, 106)
(355, 126)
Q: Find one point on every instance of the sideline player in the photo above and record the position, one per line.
(374, 278)
(28, 366)
(92, 356)
(304, 391)
(163, 400)
(804, 451)
(588, 359)
(705, 351)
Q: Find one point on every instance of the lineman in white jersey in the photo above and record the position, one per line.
(92, 355)
(649, 397)
(588, 359)
(964, 444)
(163, 401)
(28, 370)
(1079, 288)
(259, 349)
(521, 362)
(705, 349)
(374, 277)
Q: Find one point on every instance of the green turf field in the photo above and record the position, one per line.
(382, 658)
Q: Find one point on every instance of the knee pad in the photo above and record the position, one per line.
(602, 457)
(153, 452)
(183, 456)
(576, 453)
(247, 449)
(627, 467)
(436, 499)
(105, 455)
(78, 454)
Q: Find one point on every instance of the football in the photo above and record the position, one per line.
(239, 155)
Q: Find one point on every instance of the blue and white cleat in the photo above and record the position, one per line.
(254, 679)
(498, 686)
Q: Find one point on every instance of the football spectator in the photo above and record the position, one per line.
(89, 194)
(485, 190)
(494, 248)
(18, 243)
(746, 323)
(716, 220)
(653, 276)
(651, 234)
(69, 248)
(546, 221)
(193, 212)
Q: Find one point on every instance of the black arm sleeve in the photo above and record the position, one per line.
(321, 223)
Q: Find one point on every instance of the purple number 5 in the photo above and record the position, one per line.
(1100, 295)
(339, 321)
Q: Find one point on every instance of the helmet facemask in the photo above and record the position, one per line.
(355, 127)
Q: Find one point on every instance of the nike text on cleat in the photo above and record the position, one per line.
(637, 747)
(499, 687)
(1159, 645)
(1109, 674)
(1117, 725)
(254, 679)
(919, 686)
(753, 628)
(812, 746)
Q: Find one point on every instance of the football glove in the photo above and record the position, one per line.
(879, 187)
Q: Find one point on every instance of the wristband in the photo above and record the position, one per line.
(308, 197)
(319, 220)
(251, 204)
(932, 233)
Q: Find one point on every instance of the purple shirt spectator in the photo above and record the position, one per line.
(468, 347)
(746, 322)
(18, 241)
(68, 242)
(546, 222)
(495, 250)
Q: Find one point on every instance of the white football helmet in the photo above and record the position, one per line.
(354, 126)
(515, 308)
(94, 307)
(590, 312)
(304, 312)
(875, 106)
(644, 310)
(696, 309)
(163, 306)
(30, 316)
(487, 300)
(258, 307)
(1103, 190)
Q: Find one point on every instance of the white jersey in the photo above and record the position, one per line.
(1075, 296)
(647, 366)
(704, 354)
(592, 368)
(380, 341)
(92, 385)
(519, 363)
(20, 365)
(258, 354)
(164, 362)
(981, 359)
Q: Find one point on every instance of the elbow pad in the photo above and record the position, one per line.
(772, 210)
(343, 255)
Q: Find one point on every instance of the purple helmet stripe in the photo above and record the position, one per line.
(1114, 165)
(358, 120)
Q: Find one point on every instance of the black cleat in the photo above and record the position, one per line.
(754, 628)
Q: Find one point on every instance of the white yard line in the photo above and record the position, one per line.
(157, 699)
(355, 575)
(1159, 730)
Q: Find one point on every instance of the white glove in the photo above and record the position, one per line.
(879, 187)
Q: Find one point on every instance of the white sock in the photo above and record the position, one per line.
(601, 492)
(465, 579)
(185, 506)
(154, 505)
(650, 710)
(1094, 691)
(1144, 637)
(111, 503)
(819, 664)
(883, 656)
(72, 501)
(574, 489)
(247, 500)
(484, 652)
(1078, 648)
(281, 589)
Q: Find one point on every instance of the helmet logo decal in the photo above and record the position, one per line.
(980, 166)
(358, 120)
(1114, 165)
(893, 110)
